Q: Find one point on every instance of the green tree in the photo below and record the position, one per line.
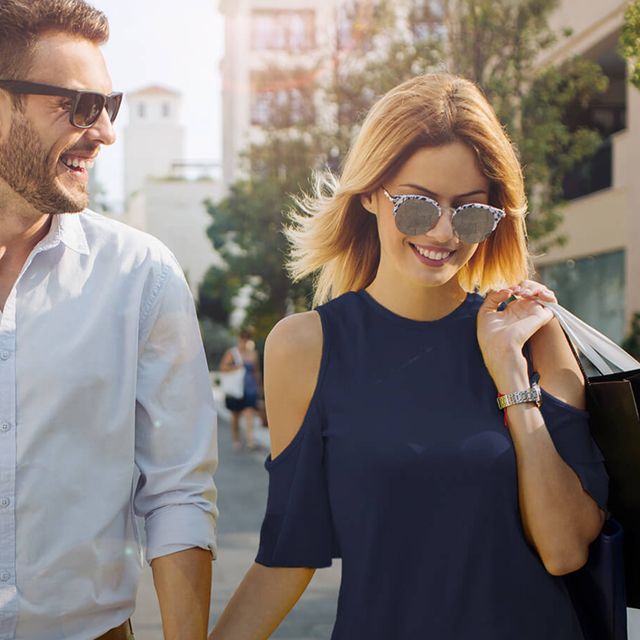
(216, 339)
(630, 40)
(246, 231)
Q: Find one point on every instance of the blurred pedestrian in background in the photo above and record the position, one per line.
(243, 356)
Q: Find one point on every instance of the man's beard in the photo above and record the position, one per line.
(25, 167)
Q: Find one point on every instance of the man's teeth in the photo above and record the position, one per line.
(433, 255)
(75, 163)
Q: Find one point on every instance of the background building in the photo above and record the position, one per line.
(165, 194)
(153, 139)
(597, 273)
(262, 36)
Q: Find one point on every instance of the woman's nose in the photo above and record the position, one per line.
(443, 231)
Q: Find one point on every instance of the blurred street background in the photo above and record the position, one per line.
(232, 104)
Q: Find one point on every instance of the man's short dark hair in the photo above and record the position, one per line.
(24, 22)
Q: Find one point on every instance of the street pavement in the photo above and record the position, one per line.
(242, 489)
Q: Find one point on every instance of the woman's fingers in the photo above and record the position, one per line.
(527, 290)
(532, 289)
(494, 299)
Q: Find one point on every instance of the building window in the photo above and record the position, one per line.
(279, 100)
(283, 30)
(590, 175)
(166, 109)
(593, 289)
(142, 110)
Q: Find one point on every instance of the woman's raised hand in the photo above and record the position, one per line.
(503, 329)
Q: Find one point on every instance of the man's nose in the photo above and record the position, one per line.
(102, 131)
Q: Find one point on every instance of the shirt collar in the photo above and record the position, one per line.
(66, 228)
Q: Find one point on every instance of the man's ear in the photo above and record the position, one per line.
(366, 200)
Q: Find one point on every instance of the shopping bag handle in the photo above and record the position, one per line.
(601, 352)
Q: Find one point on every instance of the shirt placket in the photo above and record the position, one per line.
(8, 455)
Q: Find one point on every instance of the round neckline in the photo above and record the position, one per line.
(409, 322)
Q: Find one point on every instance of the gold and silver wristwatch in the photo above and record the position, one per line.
(532, 394)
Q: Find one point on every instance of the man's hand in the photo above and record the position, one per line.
(183, 585)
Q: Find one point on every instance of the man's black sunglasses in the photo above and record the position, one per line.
(86, 106)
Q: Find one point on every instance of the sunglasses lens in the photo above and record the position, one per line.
(88, 109)
(113, 105)
(414, 217)
(473, 224)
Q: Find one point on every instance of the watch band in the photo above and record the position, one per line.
(532, 394)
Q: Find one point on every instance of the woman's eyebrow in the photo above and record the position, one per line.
(435, 195)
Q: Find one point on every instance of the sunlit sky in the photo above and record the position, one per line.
(177, 45)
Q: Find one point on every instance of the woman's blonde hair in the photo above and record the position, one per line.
(334, 238)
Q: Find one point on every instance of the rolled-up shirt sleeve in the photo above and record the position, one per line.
(176, 430)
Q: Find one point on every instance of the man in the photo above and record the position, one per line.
(105, 403)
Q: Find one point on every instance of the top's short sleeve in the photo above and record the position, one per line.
(297, 530)
(571, 435)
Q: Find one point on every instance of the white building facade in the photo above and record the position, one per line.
(153, 138)
(165, 194)
(262, 35)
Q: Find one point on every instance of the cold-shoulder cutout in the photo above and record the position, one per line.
(297, 530)
(293, 356)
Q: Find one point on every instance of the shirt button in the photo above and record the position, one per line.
(4, 355)
(5, 576)
(5, 426)
(5, 502)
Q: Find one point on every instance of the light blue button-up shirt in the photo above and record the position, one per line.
(105, 410)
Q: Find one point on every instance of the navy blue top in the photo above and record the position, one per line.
(403, 468)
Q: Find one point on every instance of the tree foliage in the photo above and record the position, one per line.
(377, 44)
(630, 40)
(246, 231)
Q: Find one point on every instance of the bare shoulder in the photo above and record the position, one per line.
(295, 335)
(292, 356)
(553, 359)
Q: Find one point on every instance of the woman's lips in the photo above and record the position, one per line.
(432, 256)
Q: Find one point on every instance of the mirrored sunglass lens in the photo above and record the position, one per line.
(414, 217)
(473, 224)
(88, 109)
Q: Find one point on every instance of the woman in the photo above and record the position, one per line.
(454, 520)
(243, 355)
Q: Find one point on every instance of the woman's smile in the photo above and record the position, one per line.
(430, 255)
